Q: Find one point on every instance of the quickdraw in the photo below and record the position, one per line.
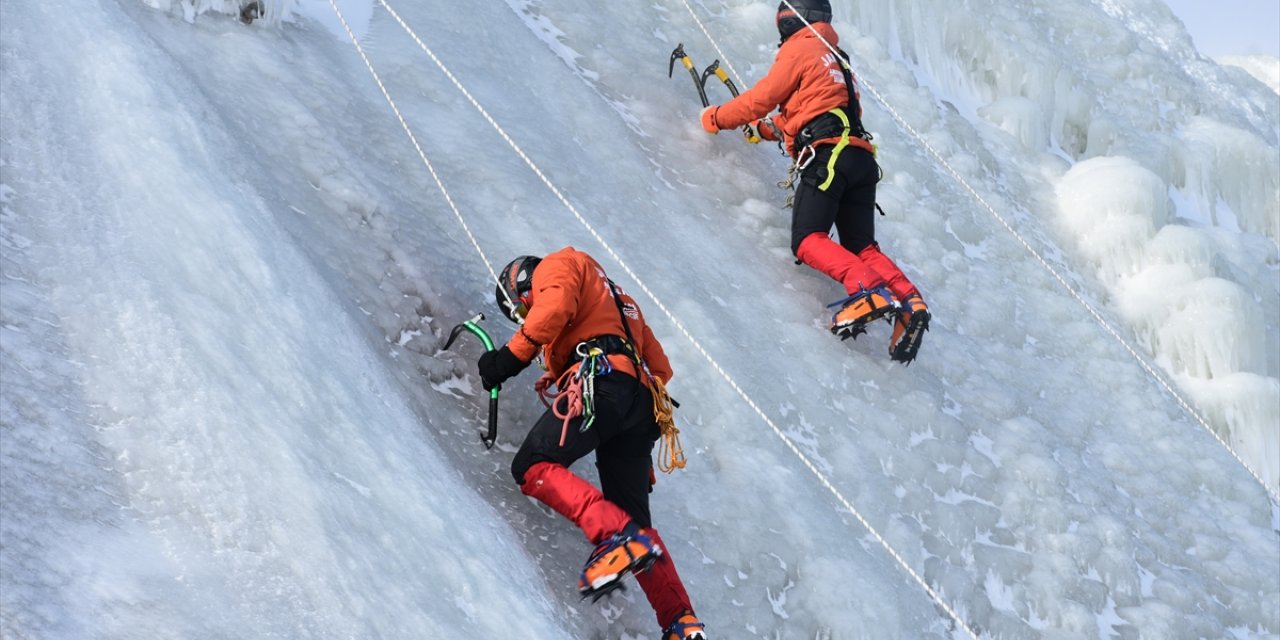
(577, 390)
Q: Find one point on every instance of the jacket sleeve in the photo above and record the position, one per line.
(557, 288)
(655, 357)
(761, 99)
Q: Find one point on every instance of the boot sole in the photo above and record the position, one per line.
(603, 585)
(909, 345)
(604, 590)
(855, 328)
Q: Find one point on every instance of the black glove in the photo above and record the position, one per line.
(498, 366)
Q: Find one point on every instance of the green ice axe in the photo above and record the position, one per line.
(472, 326)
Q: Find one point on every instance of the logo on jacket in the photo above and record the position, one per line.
(833, 68)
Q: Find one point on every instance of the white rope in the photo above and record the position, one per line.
(671, 316)
(714, 45)
(412, 138)
(1097, 316)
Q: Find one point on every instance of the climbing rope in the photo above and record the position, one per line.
(670, 451)
(414, 139)
(493, 275)
(576, 390)
(569, 395)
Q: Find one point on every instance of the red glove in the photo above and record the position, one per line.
(708, 118)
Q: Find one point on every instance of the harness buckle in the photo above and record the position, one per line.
(586, 350)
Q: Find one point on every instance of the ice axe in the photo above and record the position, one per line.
(679, 54)
(700, 82)
(714, 69)
(473, 326)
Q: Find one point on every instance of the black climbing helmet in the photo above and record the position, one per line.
(789, 20)
(514, 284)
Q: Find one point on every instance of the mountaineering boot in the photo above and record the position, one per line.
(909, 328)
(631, 550)
(861, 309)
(686, 627)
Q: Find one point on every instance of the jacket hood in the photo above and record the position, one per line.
(823, 28)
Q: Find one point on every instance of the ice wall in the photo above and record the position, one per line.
(1210, 332)
(1170, 193)
(269, 11)
(1088, 80)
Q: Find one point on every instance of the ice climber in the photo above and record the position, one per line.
(606, 362)
(820, 121)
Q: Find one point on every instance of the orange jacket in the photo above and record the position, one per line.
(571, 302)
(805, 82)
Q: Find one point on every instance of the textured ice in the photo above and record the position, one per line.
(228, 276)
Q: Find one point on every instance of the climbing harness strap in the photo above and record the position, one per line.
(670, 451)
(610, 344)
(835, 153)
(576, 389)
(841, 121)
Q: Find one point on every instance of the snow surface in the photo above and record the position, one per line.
(227, 277)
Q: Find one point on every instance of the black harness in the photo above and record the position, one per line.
(829, 124)
(609, 344)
